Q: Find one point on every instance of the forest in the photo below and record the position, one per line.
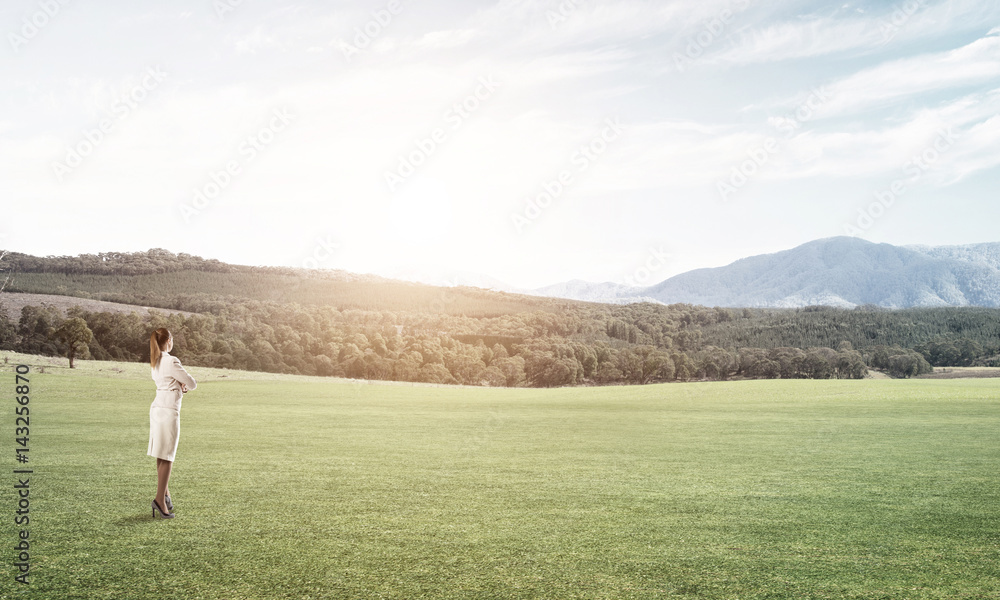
(336, 324)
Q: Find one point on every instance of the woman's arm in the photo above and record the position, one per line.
(177, 372)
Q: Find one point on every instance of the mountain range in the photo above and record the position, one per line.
(838, 271)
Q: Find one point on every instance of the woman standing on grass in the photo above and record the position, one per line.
(172, 382)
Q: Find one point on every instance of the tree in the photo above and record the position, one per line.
(902, 365)
(970, 351)
(608, 372)
(407, 367)
(751, 361)
(790, 361)
(543, 369)
(850, 365)
(6, 278)
(494, 377)
(512, 369)
(8, 331)
(908, 364)
(465, 367)
(819, 363)
(880, 358)
(655, 365)
(587, 358)
(717, 363)
(436, 373)
(34, 329)
(75, 335)
(710, 369)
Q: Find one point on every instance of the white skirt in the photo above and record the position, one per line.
(164, 432)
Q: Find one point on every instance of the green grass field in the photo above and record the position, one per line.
(294, 487)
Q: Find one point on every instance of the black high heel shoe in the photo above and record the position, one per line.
(170, 505)
(163, 515)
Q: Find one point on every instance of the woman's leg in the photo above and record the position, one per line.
(162, 478)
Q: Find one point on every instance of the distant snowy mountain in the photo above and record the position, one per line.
(840, 271)
(607, 293)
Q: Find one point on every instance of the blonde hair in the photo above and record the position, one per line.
(157, 340)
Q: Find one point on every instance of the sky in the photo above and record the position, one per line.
(532, 142)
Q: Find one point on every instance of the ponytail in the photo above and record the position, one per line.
(157, 340)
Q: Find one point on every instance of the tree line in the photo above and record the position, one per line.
(531, 349)
(943, 336)
(334, 324)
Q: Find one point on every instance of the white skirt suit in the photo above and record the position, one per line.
(165, 412)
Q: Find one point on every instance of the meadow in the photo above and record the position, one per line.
(307, 488)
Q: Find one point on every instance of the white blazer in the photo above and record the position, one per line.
(168, 376)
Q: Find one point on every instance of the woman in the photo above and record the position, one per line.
(172, 382)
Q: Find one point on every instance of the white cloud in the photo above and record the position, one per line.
(531, 24)
(782, 41)
(693, 155)
(885, 151)
(975, 150)
(818, 36)
(882, 85)
(256, 40)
